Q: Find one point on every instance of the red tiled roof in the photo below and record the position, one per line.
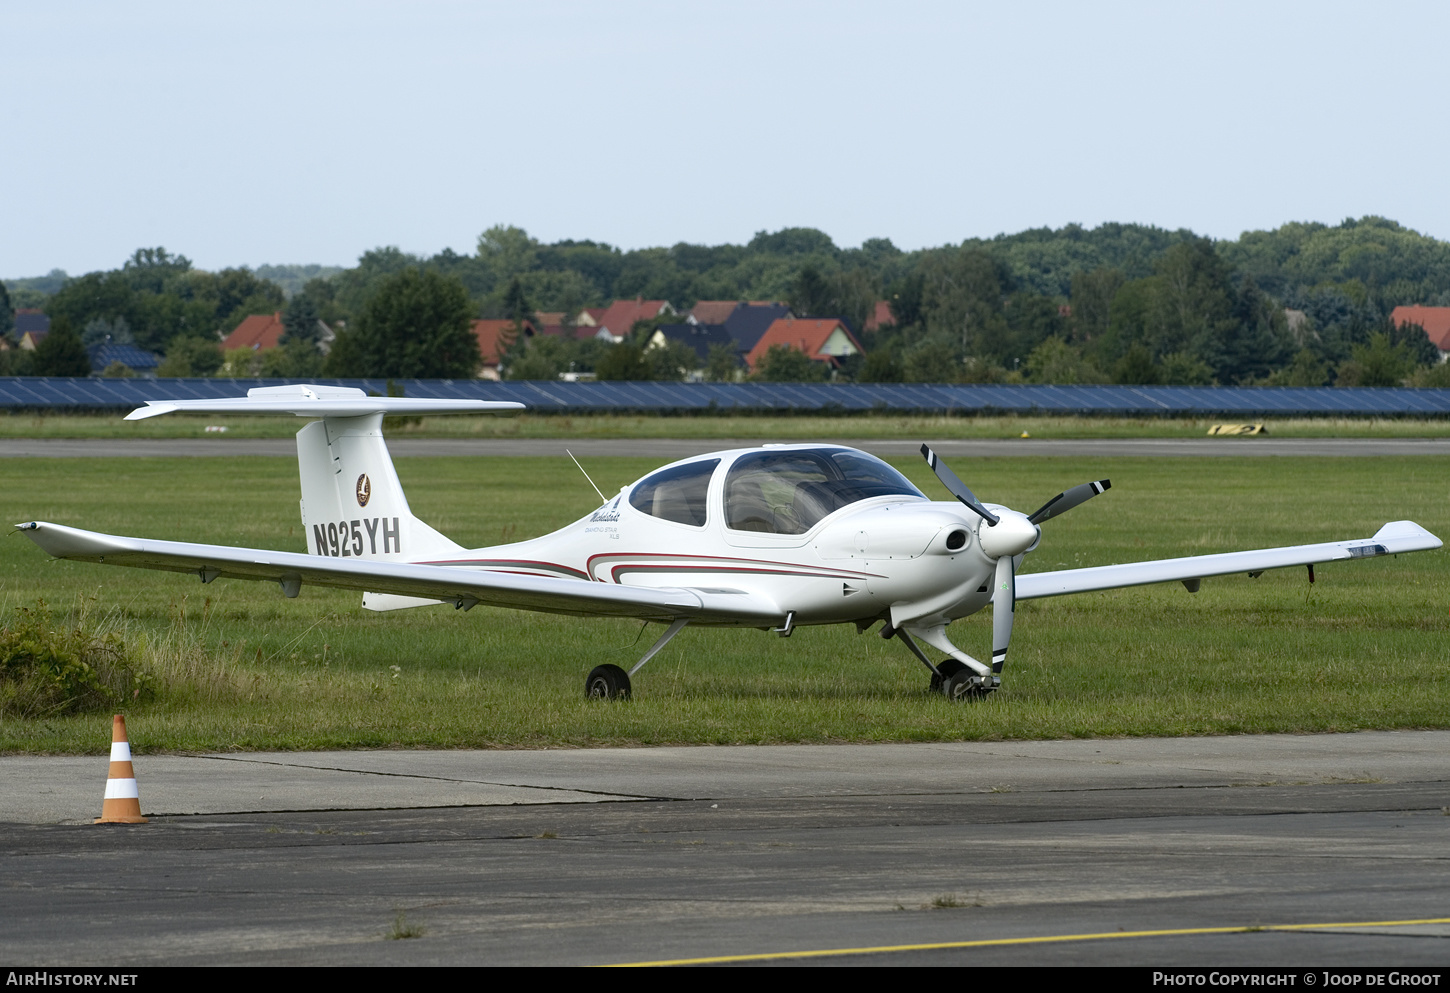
(495, 337)
(1435, 321)
(619, 316)
(881, 316)
(805, 335)
(257, 332)
(713, 311)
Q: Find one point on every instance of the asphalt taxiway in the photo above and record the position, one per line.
(1184, 851)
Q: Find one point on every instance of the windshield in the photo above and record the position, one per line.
(788, 492)
(676, 494)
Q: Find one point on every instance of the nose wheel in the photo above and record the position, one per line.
(964, 685)
(958, 684)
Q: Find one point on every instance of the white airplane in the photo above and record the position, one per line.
(771, 538)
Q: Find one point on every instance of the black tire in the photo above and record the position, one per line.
(945, 669)
(964, 686)
(607, 682)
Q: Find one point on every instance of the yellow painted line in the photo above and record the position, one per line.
(1039, 940)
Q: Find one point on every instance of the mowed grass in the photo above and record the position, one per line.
(241, 667)
(762, 427)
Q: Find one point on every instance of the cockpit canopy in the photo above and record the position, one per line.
(775, 492)
(788, 492)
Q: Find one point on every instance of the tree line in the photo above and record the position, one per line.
(1305, 304)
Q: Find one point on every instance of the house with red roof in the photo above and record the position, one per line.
(257, 332)
(260, 332)
(711, 311)
(1435, 321)
(880, 316)
(823, 339)
(495, 337)
(621, 315)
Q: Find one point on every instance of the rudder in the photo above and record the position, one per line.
(352, 501)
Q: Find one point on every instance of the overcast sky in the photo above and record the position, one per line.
(261, 132)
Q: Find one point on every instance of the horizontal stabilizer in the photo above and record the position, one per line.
(321, 401)
(1393, 538)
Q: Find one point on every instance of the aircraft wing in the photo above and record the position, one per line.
(459, 586)
(1393, 538)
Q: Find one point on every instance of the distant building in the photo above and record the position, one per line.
(1435, 321)
(700, 338)
(621, 316)
(711, 311)
(881, 316)
(139, 361)
(749, 321)
(30, 340)
(260, 332)
(30, 320)
(822, 339)
(494, 338)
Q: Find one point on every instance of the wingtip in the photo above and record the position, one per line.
(152, 409)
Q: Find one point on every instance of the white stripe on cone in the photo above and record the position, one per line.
(120, 751)
(122, 789)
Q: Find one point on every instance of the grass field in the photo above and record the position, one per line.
(240, 667)
(768, 427)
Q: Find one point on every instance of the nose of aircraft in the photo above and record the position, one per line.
(1011, 535)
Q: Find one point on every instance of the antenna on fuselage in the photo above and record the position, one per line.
(602, 497)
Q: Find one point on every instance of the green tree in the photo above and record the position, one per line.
(7, 313)
(1307, 369)
(60, 353)
(1379, 363)
(625, 361)
(1185, 368)
(722, 365)
(190, 356)
(300, 318)
(880, 367)
(810, 294)
(415, 325)
(1055, 361)
(783, 364)
(1092, 302)
(516, 306)
(672, 362)
(297, 358)
(1137, 368)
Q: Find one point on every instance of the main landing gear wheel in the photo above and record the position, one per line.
(945, 669)
(607, 682)
(965, 685)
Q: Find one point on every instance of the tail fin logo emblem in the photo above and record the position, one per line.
(364, 490)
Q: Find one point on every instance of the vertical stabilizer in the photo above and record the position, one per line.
(352, 502)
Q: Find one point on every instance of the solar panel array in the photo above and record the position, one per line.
(92, 394)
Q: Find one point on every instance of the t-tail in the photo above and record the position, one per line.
(353, 504)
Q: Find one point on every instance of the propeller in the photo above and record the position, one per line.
(957, 488)
(1068, 499)
(1007, 536)
(1004, 606)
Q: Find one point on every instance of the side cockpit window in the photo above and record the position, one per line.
(676, 494)
(789, 492)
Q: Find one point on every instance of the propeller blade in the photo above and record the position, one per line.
(1004, 605)
(1064, 502)
(956, 487)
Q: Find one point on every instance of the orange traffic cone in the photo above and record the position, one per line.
(123, 801)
